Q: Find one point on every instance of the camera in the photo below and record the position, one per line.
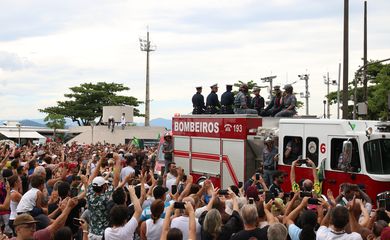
(223, 192)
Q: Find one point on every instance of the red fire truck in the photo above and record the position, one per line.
(228, 148)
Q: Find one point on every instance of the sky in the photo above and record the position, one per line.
(48, 46)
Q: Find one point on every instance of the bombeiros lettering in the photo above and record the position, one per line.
(197, 127)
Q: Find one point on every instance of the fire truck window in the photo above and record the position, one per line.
(292, 149)
(377, 155)
(336, 155)
(312, 149)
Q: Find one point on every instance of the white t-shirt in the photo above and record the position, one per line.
(28, 201)
(325, 233)
(125, 232)
(123, 120)
(182, 224)
(169, 183)
(153, 230)
(126, 171)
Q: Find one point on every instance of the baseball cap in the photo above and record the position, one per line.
(24, 219)
(99, 181)
(252, 192)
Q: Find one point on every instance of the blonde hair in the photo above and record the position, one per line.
(213, 222)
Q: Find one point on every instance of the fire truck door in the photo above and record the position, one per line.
(233, 162)
(182, 152)
(205, 156)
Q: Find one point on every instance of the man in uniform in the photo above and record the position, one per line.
(227, 100)
(240, 101)
(212, 102)
(275, 104)
(257, 101)
(270, 160)
(198, 101)
(289, 103)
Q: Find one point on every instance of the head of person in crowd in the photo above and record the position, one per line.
(37, 181)
(277, 91)
(199, 89)
(25, 226)
(308, 221)
(252, 192)
(172, 168)
(15, 182)
(256, 91)
(130, 160)
(119, 196)
(249, 215)
(213, 223)
(378, 227)
(99, 184)
(64, 233)
(159, 192)
(214, 88)
(244, 88)
(278, 178)
(288, 88)
(157, 209)
(63, 189)
(307, 185)
(339, 217)
(229, 87)
(174, 234)
(277, 231)
(119, 215)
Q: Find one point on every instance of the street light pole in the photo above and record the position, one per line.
(307, 94)
(327, 81)
(270, 80)
(18, 126)
(146, 47)
(92, 123)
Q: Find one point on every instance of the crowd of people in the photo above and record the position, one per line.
(105, 191)
(282, 104)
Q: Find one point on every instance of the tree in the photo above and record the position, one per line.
(86, 102)
(378, 76)
(55, 121)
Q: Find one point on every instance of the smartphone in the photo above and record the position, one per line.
(162, 170)
(303, 194)
(344, 200)
(382, 203)
(223, 192)
(302, 161)
(268, 196)
(240, 184)
(251, 201)
(7, 146)
(179, 205)
(174, 189)
(109, 155)
(77, 221)
(184, 178)
(313, 201)
(257, 176)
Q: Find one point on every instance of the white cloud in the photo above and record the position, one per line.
(198, 42)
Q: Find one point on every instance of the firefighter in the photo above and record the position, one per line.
(289, 103)
(270, 159)
(257, 101)
(167, 150)
(240, 101)
(275, 104)
(227, 100)
(212, 102)
(198, 102)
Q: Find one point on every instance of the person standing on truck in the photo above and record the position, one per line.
(270, 160)
(289, 103)
(275, 104)
(198, 102)
(227, 100)
(240, 102)
(167, 150)
(257, 101)
(212, 102)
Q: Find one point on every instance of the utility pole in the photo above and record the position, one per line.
(345, 59)
(306, 94)
(146, 47)
(365, 54)
(328, 82)
(338, 92)
(270, 80)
